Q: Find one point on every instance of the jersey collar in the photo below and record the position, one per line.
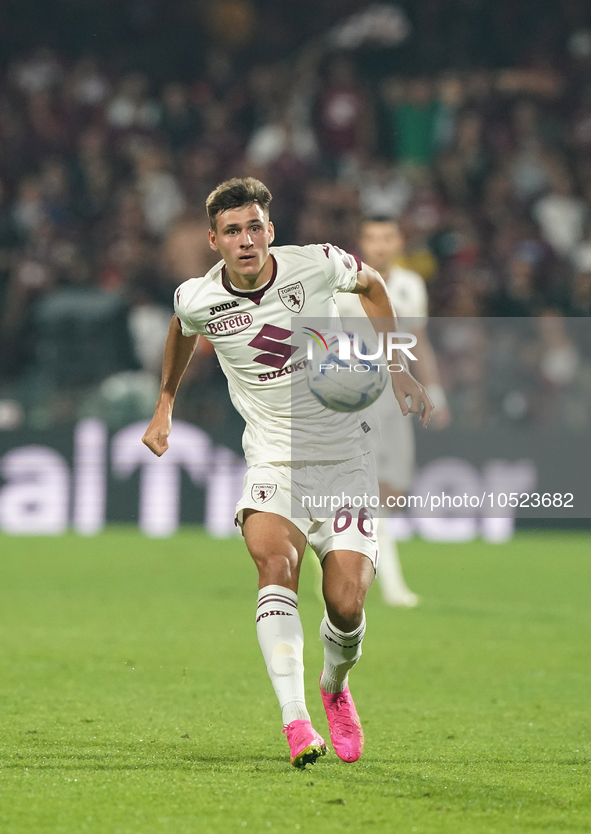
(255, 296)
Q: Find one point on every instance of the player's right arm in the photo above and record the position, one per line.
(178, 351)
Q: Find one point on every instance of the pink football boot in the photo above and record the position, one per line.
(346, 732)
(305, 745)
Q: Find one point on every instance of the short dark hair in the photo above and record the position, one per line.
(234, 193)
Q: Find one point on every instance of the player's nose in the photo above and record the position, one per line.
(245, 240)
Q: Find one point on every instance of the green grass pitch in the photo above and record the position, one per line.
(133, 697)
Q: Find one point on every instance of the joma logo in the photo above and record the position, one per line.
(219, 308)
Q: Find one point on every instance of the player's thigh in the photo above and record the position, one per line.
(276, 546)
(346, 544)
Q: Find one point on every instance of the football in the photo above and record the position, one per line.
(346, 384)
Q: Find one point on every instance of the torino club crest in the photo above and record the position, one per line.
(293, 297)
(263, 492)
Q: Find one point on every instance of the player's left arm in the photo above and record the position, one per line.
(378, 307)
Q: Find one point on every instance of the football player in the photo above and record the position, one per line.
(245, 306)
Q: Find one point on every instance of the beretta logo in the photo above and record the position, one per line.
(227, 325)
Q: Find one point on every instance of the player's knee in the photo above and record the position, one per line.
(275, 568)
(345, 612)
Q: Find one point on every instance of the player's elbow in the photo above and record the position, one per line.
(369, 282)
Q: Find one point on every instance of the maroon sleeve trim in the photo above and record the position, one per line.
(358, 262)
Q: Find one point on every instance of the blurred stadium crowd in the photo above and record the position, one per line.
(481, 150)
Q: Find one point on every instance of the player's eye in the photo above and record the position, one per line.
(255, 228)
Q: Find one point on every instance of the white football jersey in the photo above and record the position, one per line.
(407, 292)
(262, 352)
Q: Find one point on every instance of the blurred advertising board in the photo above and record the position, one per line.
(468, 482)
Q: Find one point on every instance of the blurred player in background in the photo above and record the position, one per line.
(381, 244)
(245, 305)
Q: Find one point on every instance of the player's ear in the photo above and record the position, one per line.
(212, 241)
(271, 231)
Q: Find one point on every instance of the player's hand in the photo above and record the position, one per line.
(405, 385)
(157, 433)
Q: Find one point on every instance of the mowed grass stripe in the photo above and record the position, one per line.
(133, 697)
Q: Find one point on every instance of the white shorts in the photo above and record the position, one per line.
(395, 452)
(307, 493)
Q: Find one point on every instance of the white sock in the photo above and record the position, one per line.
(281, 639)
(342, 650)
(394, 588)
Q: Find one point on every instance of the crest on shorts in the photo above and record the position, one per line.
(293, 296)
(263, 492)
